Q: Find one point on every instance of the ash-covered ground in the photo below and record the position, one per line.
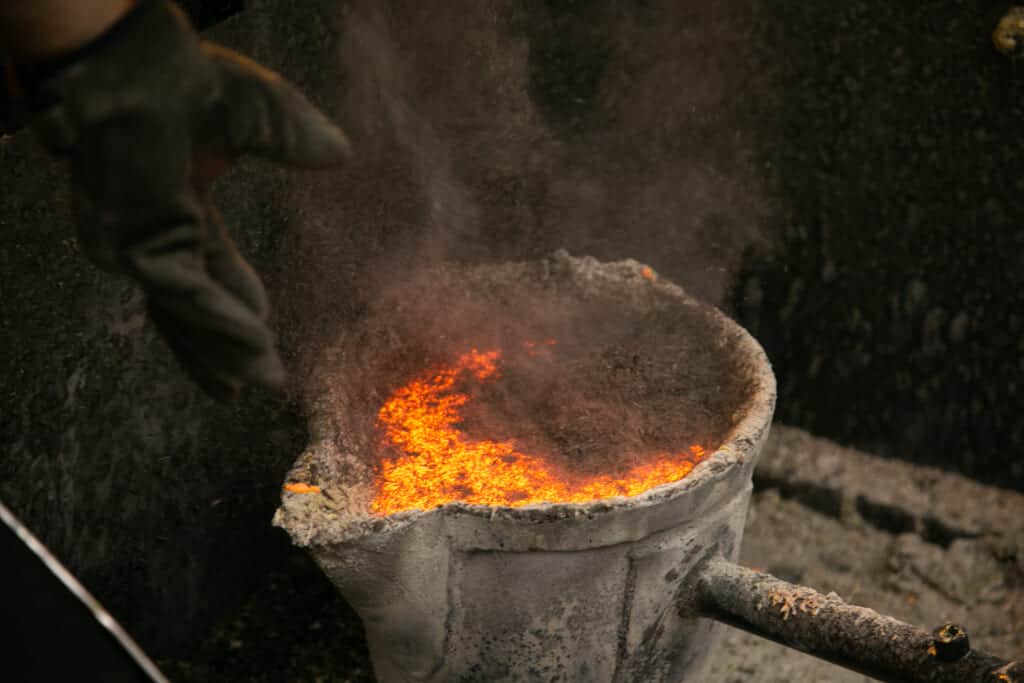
(883, 534)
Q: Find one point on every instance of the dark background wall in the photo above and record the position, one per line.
(892, 301)
(846, 181)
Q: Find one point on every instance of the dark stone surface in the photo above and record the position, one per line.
(158, 498)
(892, 306)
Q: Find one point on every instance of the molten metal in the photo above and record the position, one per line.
(437, 463)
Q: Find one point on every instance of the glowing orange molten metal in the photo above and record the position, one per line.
(439, 464)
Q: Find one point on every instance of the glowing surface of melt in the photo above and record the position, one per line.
(437, 463)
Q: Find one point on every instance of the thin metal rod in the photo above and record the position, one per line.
(847, 635)
(67, 617)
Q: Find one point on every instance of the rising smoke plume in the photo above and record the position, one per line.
(506, 129)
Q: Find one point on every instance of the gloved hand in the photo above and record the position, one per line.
(148, 115)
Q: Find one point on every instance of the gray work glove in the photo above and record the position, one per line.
(148, 115)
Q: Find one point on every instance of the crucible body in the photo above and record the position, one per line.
(552, 592)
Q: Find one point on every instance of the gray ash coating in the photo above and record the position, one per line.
(637, 368)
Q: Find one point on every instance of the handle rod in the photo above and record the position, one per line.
(853, 637)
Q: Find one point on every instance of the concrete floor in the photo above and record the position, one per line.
(974, 580)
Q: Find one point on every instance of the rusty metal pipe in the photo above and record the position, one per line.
(853, 637)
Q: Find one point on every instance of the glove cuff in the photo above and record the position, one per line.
(29, 77)
(109, 75)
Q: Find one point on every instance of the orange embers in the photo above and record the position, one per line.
(437, 463)
(301, 487)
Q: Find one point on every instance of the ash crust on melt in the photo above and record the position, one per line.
(600, 406)
(636, 368)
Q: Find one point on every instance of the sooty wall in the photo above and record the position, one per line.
(892, 300)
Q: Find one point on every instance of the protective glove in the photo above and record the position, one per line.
(148, 115)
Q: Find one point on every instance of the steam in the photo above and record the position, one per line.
(384, 100)
(503, 130)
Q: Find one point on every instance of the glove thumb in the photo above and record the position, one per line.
(268, 117)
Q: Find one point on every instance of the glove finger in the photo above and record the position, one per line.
(217, 323)
(141, 215)
(130, 196)
(216, 384)
(267, 116)
(217, 362)
(177, 281)
(226, 266)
